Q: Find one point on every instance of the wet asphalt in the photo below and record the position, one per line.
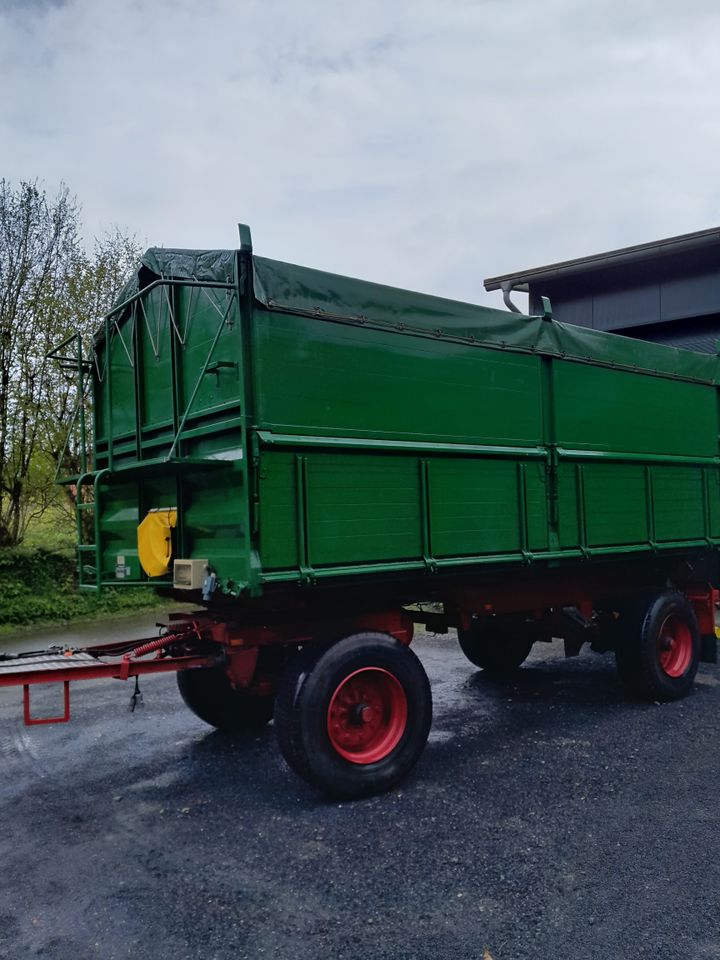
(551, 817)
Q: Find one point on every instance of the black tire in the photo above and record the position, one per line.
(336, 747)
(658, 647)
(498, 644)
(210, 695)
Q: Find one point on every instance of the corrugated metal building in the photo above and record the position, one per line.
(667, 291)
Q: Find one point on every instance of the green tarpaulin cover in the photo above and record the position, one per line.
(294, 289)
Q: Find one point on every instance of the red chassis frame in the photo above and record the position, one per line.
(198, 641)
(193, 642)
(112, 660)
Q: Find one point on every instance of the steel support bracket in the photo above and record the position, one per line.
(31, 721)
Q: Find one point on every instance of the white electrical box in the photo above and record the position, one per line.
(189, 574)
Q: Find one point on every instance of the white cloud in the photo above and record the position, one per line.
(427, 144)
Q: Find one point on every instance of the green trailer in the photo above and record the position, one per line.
(319, 462)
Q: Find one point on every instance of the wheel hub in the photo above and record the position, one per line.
(367, 715)
(361, 713)
(674, 646)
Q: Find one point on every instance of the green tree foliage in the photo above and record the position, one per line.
(39, 586)
(50, 287)
(96, 280)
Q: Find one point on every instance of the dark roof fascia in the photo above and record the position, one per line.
(643, 251)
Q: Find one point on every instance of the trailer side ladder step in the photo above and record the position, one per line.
(89, 555)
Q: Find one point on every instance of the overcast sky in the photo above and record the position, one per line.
(425, 144)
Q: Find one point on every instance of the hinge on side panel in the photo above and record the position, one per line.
(254, 476)
(254, 448)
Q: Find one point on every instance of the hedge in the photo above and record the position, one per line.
(41, 585)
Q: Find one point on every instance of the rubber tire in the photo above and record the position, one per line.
(211, 697)
(499, 645)
(301, 709)
(636, 651)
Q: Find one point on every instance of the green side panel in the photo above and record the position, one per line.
(201, 312)
(362, 509)
(186, 320)
(713, 485)
(678, 500)
(612, 410)
(357, 508)
(122, 378)
(153, 334)
(614, 504)
(568, 509)
(474, 507)
(277, 510)
(318, 378)
(122, 506)
(368, 508)
(211, 522)
(214, 527)
(118, 528)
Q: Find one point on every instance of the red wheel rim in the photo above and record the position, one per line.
(674, 646)
(367, 715)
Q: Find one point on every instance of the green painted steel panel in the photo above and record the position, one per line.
(277, 510)
(122, 378)
(318, 378)
(474, 507)
(215, 525)
(120, 517)
(153, 332)
(678, 500)
(612, 410)
(614, 504)
(358, 509)
(362, 509)
(367, 509)
(200, 314)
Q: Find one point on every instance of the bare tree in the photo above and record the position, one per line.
(49, 287)
(93, 287)
(38, 249)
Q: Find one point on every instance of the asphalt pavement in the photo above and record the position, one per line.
(552, 817)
